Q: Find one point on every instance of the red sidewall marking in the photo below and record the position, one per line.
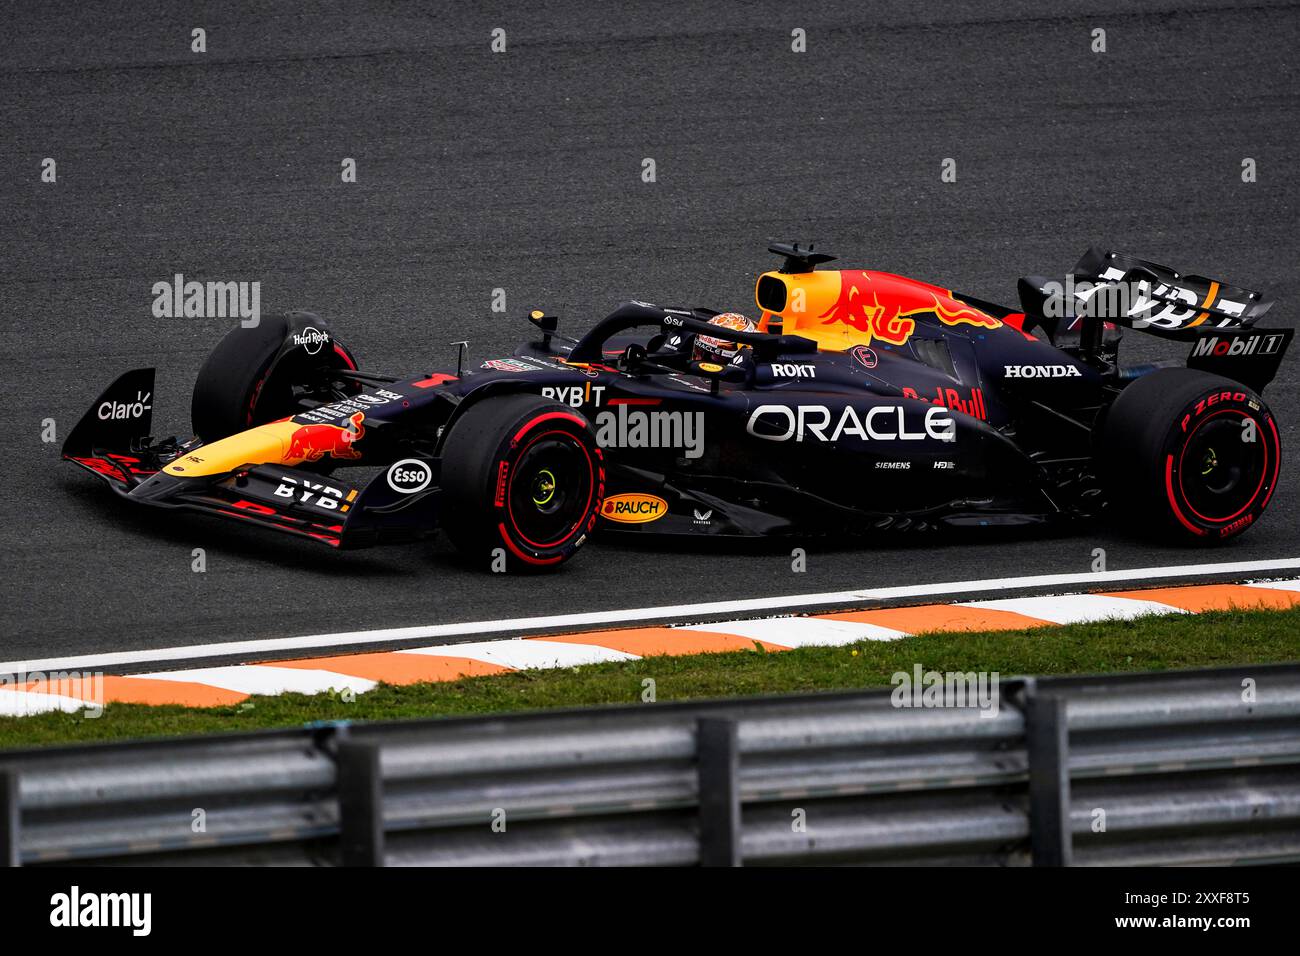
(1173, 500)
(514, 549)
(252, 402)
(1277, 463)
(347, 359)
(567, 416)
(591, 490)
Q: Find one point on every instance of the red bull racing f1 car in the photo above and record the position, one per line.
(855, 403)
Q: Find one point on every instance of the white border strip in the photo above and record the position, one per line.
(1078, 608)
(609, 618)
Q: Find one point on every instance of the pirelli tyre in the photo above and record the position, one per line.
(255, 375)
(523, 480)
(1195, 453)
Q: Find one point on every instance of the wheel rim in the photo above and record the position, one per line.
(1221, 474)
(544, 489)
(550, 489)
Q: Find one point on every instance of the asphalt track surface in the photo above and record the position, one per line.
(522, 171)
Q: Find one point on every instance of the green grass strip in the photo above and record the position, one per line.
(1149, 643)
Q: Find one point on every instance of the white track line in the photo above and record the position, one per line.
(612, 618)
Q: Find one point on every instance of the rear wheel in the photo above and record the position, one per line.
(257, 375)
(1198, 454)
(523, 480)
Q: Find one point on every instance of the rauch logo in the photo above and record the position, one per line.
(633, 508)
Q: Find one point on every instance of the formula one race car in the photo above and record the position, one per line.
(858, 402)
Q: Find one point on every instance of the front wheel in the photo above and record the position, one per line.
(1194, 453)
(259, 374)
(523, 480)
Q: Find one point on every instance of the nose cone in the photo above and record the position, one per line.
(257, 446)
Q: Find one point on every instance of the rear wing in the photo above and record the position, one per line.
(1144, 295)
(1217, 319)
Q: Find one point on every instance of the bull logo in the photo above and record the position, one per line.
(860, 305)
(314, 442)
(963, 315)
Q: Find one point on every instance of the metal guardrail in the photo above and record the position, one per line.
(1179, 767)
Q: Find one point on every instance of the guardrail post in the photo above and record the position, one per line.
(1047, 747)
(9, 818)
(361, 804)
(718, 764)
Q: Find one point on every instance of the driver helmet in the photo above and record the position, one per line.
(710, 349)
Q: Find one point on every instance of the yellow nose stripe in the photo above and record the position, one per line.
(257, 446)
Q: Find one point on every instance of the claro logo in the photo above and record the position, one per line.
(109, 411)
(409, 476)
(878, 423)
(633, 508)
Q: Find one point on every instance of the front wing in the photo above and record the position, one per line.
(289, 500)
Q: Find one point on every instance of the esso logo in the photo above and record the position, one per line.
(409, 476)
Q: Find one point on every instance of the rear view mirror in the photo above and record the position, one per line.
(547, 323)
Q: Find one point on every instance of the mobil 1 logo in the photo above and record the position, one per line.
(1249, 356)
